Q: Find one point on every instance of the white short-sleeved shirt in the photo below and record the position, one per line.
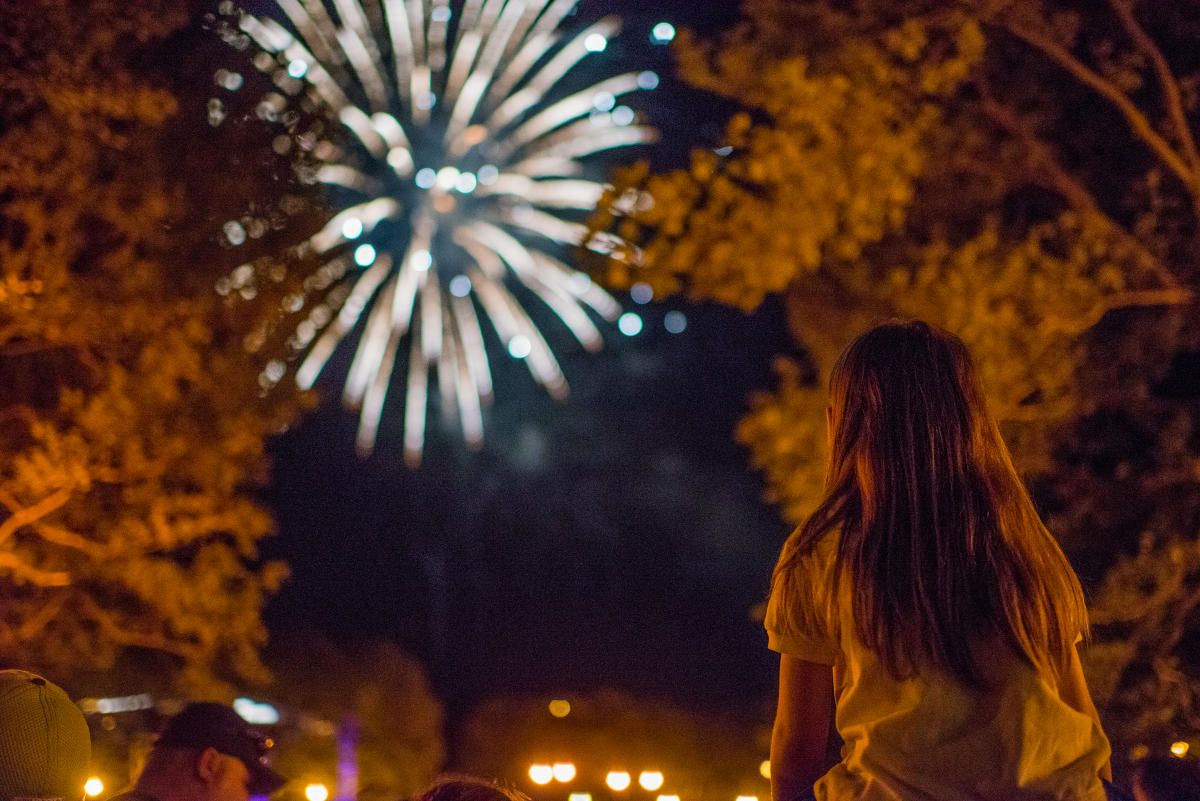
(930, 738)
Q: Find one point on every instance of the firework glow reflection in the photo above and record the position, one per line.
(461, 165)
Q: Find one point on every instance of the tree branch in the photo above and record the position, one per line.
(23, 516)
(114, 632)
(68, 539)
(1053, 176)
(1108, 90)
(1166, 79)
(27, 573)
(33, 626)
(1176, 296)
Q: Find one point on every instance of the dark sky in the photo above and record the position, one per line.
(614, 539)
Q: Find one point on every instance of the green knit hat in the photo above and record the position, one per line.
(44, 740)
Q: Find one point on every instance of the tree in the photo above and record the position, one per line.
(1023, 174)
(377, 690)
(127, 519)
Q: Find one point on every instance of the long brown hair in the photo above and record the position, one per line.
(937, 536)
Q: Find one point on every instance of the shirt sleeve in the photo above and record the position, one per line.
(787, 635)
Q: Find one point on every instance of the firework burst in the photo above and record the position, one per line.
(458, 168)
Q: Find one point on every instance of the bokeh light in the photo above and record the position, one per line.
(560, 708)
(93, 786)
(650, 779)
(617, 780)
(662, 32)
(541, 774)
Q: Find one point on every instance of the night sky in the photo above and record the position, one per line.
(617, 539)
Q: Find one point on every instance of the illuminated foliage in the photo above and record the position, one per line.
(126, 519)
(1022, 174)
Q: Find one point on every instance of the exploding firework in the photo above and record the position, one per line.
(458, 168)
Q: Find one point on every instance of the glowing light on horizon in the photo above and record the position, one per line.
(617, 780)
(650, 779)
(455, 161)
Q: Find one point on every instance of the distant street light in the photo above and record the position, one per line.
(564, 771)
(93, 786)
(617, 779)
(541, 774)
(316, 792)
(650, 779)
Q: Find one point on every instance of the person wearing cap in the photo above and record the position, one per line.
(206, 753)
(44, 741)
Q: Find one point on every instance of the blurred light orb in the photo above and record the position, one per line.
(249, 710)
(630, 324)
(421, 260)
(234, 232)
(425, 178)
(316, 792)
(667, 798)
(617, 780)
(564, 771)
(460, 287)
(519, 346)
(297, 68)
(641, 293)
(622, 116)
(541, 774)
(647, 80)
(1179, 748)
(675, 322)
(662, 32)
(764, 769)
(364, 255)
(650, 779)
(560, 708)
(93, 786)
(595, 43)
(747, 798)
(579, 797)
(352, 228)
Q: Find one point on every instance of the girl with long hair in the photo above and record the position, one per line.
(925, 604)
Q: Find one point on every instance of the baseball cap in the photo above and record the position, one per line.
(205, 724)
(44, 741)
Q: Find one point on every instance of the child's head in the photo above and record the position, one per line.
(453, 787)
(906, 406)
(937, 533)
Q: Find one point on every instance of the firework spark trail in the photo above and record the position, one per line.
(460, 152)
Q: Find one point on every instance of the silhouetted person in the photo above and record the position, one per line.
(44, 742)
(206, 753)
(926, 598)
